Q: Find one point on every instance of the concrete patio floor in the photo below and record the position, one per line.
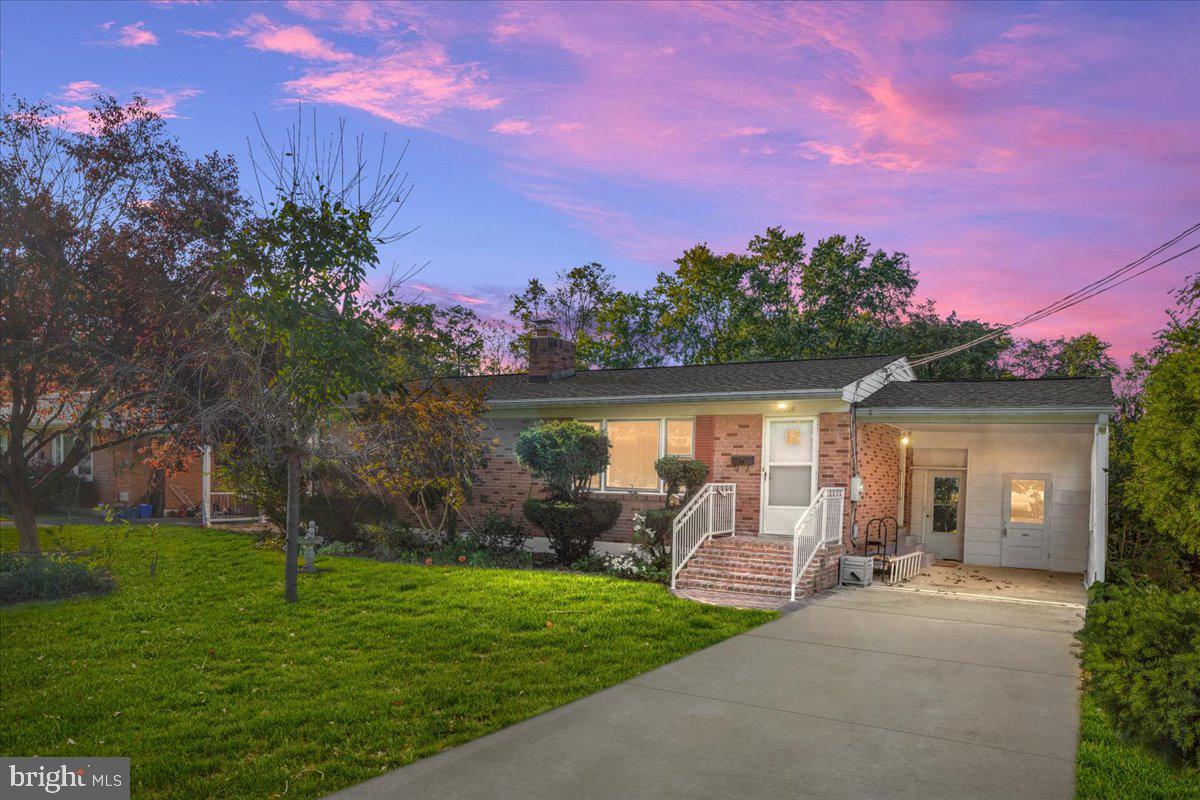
(949, 577)
(860, 693)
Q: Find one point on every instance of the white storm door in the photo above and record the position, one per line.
(789, 476)
(1026, 537)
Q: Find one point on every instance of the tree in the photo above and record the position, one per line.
(423, 448)
(305, 340)
(717, 309)
(574, 303)
(850, 295)
(1164, 484)
(108, 241)
(1083, 356)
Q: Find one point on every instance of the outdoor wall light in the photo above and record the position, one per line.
(904, 440)
(783, 406)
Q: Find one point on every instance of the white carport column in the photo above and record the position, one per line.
(205, 486)
(1099, 509)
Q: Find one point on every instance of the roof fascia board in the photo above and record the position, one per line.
(664, 398)
(962, 414)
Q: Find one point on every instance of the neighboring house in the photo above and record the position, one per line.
(850, 450)
(122, 477)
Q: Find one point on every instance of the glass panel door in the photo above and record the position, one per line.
(789, 472)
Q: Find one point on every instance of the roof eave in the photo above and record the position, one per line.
(986, 414)
(697, 397)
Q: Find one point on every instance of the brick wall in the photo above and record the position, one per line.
(833, 459)
(879, 454)
(120, 469)
(739, 434)
(822, 573)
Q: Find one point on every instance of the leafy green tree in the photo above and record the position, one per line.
(1083, 356)
(926, 331)
(310, 342)
(627, 332)
(1165, 483)
(851, 294)
(573, 302)
(721, 308)
(433, 340)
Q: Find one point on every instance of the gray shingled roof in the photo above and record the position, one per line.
(748, 377)
(1045, 393)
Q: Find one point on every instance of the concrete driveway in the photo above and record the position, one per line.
(862, 693)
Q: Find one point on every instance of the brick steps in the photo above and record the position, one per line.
(744, 566)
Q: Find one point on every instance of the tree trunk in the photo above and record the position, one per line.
(292, 527)
(21, 502)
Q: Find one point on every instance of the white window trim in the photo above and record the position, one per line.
(662, 450)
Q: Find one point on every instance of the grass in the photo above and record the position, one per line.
(217, 688)
(1110, 768)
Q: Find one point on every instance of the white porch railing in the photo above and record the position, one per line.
(821, 522)
(901, 568)
(711, 511)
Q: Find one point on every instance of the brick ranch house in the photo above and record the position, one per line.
(812, 459)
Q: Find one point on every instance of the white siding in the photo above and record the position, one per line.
(996, 450)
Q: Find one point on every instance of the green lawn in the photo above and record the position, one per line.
(217, 688)
(1108, 768)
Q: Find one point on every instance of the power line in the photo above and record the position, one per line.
(1097, 287)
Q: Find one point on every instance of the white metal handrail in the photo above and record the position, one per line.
(713, 510)
(821, 522)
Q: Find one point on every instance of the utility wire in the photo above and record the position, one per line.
(1110, 281)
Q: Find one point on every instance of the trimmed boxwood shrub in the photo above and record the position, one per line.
(1141, 656)
(572, 526)
(678, 473)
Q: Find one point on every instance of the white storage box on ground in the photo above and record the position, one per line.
(857, 570)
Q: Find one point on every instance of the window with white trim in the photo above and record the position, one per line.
(635, 444)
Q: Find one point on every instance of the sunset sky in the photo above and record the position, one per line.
(1014, 151)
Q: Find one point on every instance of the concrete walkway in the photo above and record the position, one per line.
(867, 693)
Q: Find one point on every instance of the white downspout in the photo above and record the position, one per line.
(205, 486)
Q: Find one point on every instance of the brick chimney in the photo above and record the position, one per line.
(551, 357)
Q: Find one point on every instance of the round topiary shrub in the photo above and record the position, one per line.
(571, 526)
(563, 453)
(678, 473)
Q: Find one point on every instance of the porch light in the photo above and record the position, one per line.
(904, 440)
(783, 406)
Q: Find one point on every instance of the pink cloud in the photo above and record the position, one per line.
(134, 34)
(74, 117)
(262, 34)
(79, 90)
(513, 127)
(408, 86)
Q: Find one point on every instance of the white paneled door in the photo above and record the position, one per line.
(789, 475)
(1026, 538)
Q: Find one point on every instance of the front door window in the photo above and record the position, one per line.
(945, 503)
(1025, 541)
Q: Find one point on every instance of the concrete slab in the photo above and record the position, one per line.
(866, 693)
(1022, 584)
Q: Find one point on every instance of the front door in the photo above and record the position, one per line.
(943, 523)
(789, 476)
(1025, 540)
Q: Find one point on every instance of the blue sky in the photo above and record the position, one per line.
(1012, 150)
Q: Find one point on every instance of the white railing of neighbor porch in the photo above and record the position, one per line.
(821, 522)
(712, 511)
